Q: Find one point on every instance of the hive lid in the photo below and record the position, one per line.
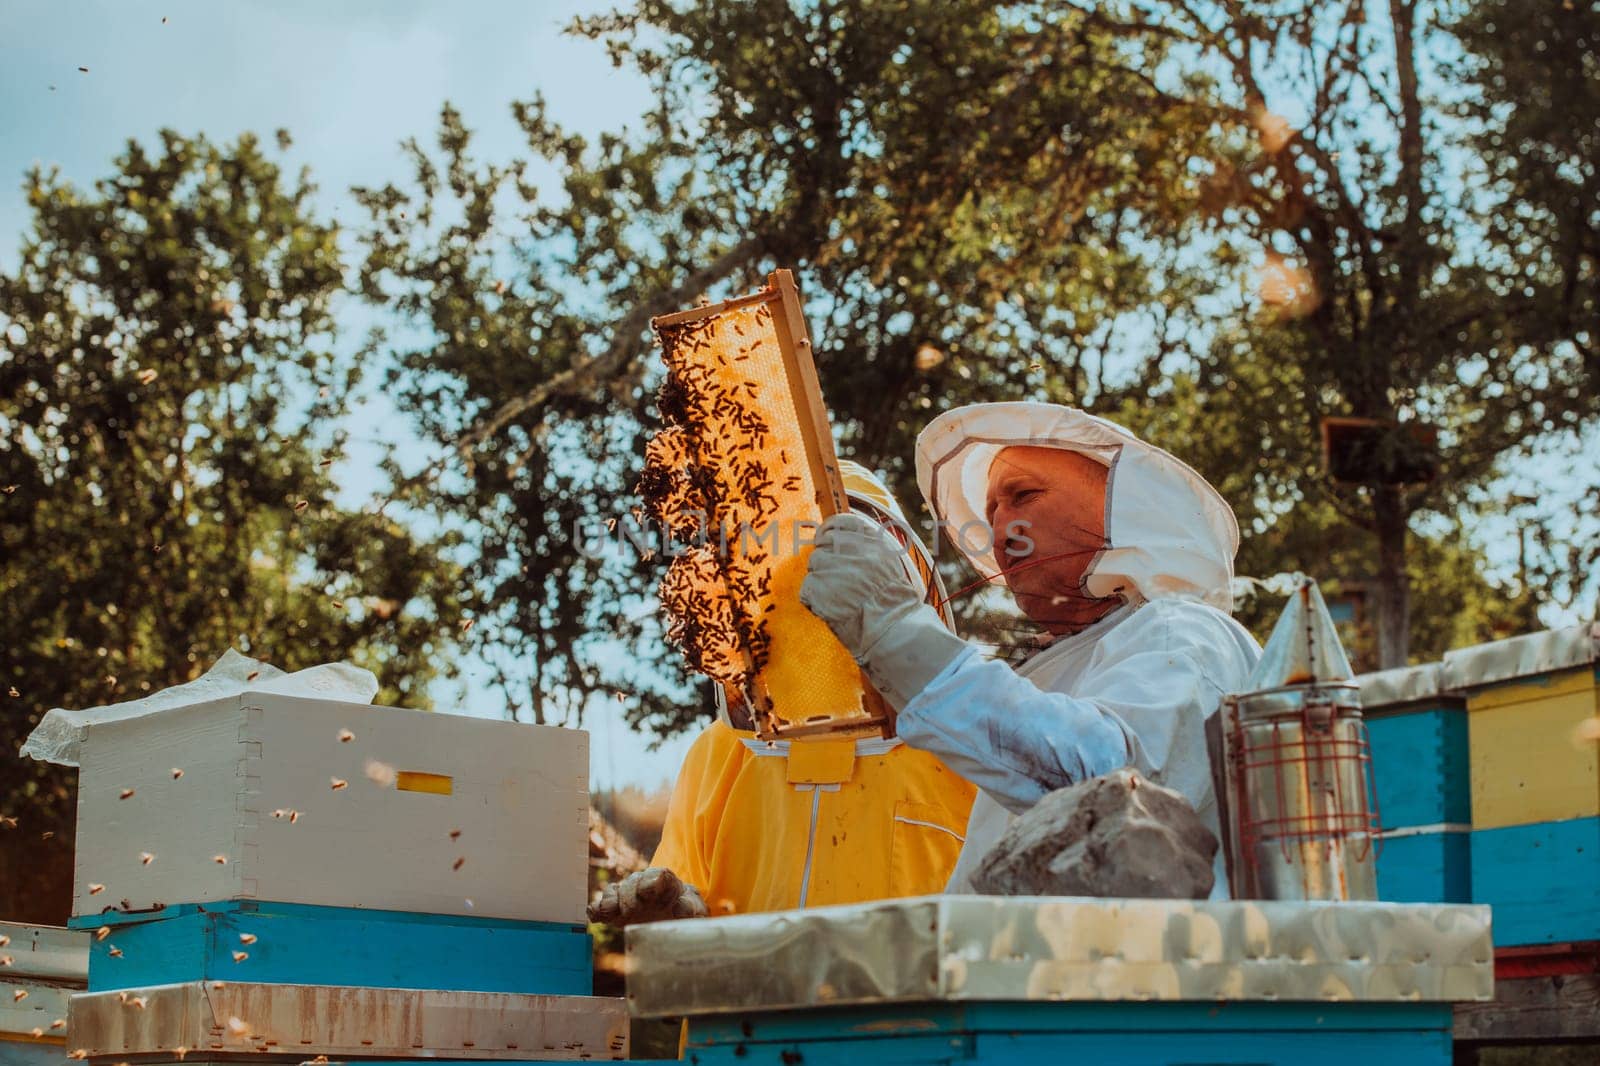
(1304, 648)
(1404, 684)
(936, 949)
(1524, 656)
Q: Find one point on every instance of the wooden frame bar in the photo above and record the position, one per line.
(695, 314)
(801, 365)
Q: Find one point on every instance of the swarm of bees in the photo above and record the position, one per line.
(707, 476)
(738, 479)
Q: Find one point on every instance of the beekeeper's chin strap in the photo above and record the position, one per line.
(1066, 609)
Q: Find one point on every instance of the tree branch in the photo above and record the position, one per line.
(586, 372)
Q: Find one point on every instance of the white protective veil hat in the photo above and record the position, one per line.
(1170, 533)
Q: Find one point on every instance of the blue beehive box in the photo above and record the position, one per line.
(1433, 867)
(1542, 880)
(1421, 772)
(287, 943)
(988, 979)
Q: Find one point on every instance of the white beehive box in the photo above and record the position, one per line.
(515, 796)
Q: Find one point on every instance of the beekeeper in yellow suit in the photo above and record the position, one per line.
(758, 826)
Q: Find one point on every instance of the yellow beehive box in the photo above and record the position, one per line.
(1529, 702)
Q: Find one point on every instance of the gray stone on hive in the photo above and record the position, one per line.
(1115, 836)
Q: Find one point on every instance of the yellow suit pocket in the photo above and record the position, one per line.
(926, 842)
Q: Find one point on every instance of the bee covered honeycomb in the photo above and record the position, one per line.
(742, 474)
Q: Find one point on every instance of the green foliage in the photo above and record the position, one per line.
(983, 201)
(1532, 109)
(1282, 531)
(1430, 284)
(993, 201)
(954, 179)
(169, 387)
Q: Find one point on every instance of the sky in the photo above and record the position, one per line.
(349, 80)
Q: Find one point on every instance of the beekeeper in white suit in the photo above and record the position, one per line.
(1120, 552)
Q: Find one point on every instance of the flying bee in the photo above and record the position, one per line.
(127, 793)
(345, 736)
(339, 783)
(247, 938)
(240, 956)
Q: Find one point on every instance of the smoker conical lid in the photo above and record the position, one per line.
(1304, 647)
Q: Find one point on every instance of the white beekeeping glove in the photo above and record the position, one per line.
(858, 582)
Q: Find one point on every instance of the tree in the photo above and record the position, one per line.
(1283, 533)
(170, 387)
(1412, 279)
(983, 201)
(1533, 114)
(956, 182)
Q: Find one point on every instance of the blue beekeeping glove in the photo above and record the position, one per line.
(859, 581)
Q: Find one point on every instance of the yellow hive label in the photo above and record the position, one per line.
(412, 781)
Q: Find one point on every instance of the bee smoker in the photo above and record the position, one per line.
(1299, 812)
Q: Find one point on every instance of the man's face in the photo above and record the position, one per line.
(1056, 499)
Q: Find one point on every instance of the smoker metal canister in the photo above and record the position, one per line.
(1299, 771)
(1300, 814)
